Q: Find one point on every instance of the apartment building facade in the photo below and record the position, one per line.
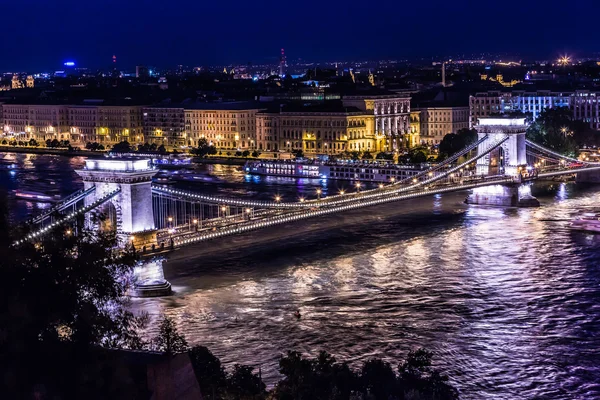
(227, 126)
(585, 105)
(436, 122)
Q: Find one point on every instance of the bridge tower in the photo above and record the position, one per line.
(129, 212)
(512, 154)
(510, 158)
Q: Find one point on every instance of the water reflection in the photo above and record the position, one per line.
(506, 298)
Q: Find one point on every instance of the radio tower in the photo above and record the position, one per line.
(282, 63)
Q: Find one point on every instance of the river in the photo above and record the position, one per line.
(507, 299)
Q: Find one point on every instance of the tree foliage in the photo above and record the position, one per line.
(54, 143)
(62, 296)
(416, 155)
(204, 149)
(452, 143)
(94, 146)
(122, 147)
(169, 340)
(555, 128)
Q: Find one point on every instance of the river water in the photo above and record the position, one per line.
(507, 299)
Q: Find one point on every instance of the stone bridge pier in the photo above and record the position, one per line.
(129, 213)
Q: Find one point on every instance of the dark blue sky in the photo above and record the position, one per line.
(41, 34)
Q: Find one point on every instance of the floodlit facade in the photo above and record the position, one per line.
(317, 132)
(436, 122)
(227, 126)
(40, 122)
(106, 124)
(584, 104)
(165, 126)
(77, 124)
(391, 117)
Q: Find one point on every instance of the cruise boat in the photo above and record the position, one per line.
(350, 170)
(588, 222)
(41, 196)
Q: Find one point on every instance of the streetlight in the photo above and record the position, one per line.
(68, 232)
(357, 187)
(319, 191)
(277, 198)
(195, 222)
(342, 191)
(381, 186)
(393, 179)
(301, 199)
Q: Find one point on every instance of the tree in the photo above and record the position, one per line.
(169, 340)
(555, 128)
(245, 385)
(420, 380)
(255, 154)
(320, 378)
(418, 157)
(378, 379)
(245, 153)
(33, 143)
(238, 153)
(122, 147)
(4, 142)
(453, 143)
(298, 153)
(384, 156)
(367, 155)
(209, 372)
(62, 296)
(204, 148)
(162, 149)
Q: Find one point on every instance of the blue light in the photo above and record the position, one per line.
(255, 79)
(13, 172)
(69, 64)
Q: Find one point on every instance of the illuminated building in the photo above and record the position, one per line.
(584, 104)
(391, 113)
(414, 137)
(227, 126)
(16, 82)
(436, 122)
(30, 82)
(79, 124)
(500, 79)
(165, 125)
(40, 122)
(106, 124)
(317, 130)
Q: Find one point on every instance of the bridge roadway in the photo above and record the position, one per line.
(282, 217)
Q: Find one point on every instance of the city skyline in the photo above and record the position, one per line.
(198, 34)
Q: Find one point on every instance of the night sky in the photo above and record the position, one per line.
(41, 34)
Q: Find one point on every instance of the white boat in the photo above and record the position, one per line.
(588, 222)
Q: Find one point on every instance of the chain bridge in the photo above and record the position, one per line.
(157, 219)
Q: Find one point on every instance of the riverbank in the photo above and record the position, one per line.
(88, 153)
(46, 150)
